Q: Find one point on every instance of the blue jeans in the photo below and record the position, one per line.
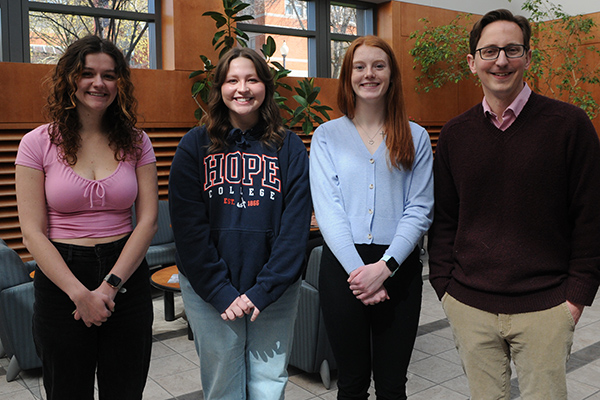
(242, 359)
(72, 354)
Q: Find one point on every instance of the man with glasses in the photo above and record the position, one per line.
(515, 242)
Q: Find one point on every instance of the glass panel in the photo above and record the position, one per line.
(347, 20)
(281, 13)
(50, 34)
(297, 57)
(122, 5)
(338, 49)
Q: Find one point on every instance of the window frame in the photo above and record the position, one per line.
(318, 32)
(15, 36)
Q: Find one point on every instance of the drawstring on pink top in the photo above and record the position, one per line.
(99, 190)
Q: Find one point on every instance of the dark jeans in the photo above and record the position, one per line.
(118, 350)
(378, 338)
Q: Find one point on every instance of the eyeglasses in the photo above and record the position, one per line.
(493, 52)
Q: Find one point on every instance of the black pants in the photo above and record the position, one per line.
(118, 350)
(377, 338)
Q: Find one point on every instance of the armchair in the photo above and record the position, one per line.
(311, 351)
(16, 313)
(162, 247)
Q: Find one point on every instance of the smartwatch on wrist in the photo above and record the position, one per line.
(115, 282)
(391, 263)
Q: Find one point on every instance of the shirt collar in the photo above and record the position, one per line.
(515, 107)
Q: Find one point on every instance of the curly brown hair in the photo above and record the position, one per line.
(217, 118)
(119, 120)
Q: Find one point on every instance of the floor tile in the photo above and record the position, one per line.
(181, 383)
(435, 369)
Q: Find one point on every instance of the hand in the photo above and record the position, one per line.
(237, 309)
(93, 307)
(251, 305)
(367, 279)
(576, 310)
(377, 297)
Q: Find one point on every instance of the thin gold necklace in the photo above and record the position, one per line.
(371, 140)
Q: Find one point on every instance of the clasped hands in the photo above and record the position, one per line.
(241, 306)
(96, 306)
(366, 283)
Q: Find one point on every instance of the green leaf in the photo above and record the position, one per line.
(212, 14)
(271, 46)
(319, 120)
(217, 36)
(205, 60)
(298, 112)
(294, 120)
(285, 86)
(241, 34)
(300, 91)
(301, 100)
(219, 19)
(322, 109)
(240, 7)
(307, 127)
(197, 87)
(313, 96)
(242, 18)
(196, 73)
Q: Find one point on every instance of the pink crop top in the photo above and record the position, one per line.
(79, 207)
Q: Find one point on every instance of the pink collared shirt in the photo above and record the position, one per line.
(512, 111)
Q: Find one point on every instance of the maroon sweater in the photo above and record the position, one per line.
(517, 213)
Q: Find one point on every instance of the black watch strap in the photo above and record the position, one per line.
(392, 264)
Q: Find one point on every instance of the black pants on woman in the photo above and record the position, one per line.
(377, 338)
(72, 354)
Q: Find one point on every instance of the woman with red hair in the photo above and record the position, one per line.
(372, 189)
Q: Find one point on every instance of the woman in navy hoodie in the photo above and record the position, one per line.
(240, 211)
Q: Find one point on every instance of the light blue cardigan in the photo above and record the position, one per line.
(360, 199)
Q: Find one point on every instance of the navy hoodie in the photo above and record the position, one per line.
(241, 216)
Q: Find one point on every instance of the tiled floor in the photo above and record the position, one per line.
(434, 374)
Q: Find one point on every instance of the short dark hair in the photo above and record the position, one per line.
(499, 15)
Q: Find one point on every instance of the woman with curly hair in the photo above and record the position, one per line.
(240, 209)
(77, 179)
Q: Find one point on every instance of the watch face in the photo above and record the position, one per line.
(113, 280)
(392, 264)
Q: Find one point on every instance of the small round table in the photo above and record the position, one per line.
(160, 280)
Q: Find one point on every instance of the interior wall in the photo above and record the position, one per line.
(165, 104)
(483, 6)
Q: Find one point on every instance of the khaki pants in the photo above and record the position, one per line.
(539, 343)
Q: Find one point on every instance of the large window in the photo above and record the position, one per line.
(316, 32)
(40, 30)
